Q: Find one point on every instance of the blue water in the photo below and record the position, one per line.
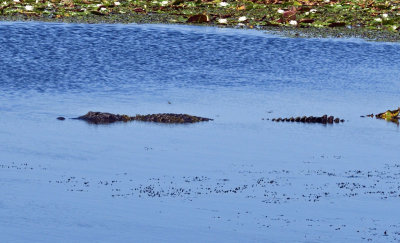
(236, 77)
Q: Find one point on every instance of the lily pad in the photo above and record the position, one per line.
(199, 18)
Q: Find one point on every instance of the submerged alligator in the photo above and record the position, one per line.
(106, 118)
(325, 119)
(389, 115)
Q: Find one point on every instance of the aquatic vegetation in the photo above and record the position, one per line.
(223, 4)
(242, 19)
(199, 18)
(364, 14)
(222, 21)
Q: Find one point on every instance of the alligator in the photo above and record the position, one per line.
(106, 118)
(389, 115)
(310, 119)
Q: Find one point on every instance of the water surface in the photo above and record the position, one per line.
(53, 173)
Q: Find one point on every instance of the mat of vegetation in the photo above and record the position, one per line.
(374, 19)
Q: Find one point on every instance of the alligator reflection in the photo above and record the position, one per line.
(394, 120)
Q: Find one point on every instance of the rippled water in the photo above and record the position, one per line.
(236, 77)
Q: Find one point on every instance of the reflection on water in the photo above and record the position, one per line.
(394, 120)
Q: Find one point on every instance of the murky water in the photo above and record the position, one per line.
(53, 173)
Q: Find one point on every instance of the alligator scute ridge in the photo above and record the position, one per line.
(96, 117)
(325, 119)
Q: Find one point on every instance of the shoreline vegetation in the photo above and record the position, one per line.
(377, 20)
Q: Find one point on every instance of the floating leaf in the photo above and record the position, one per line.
(199, 18)
(177, 2)
(295, 3)
(337, 24)
(306, 21)
(288, 15)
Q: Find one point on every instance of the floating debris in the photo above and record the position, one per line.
(325, 119)
(106, 118)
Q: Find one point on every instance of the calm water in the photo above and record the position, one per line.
(236, 77)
